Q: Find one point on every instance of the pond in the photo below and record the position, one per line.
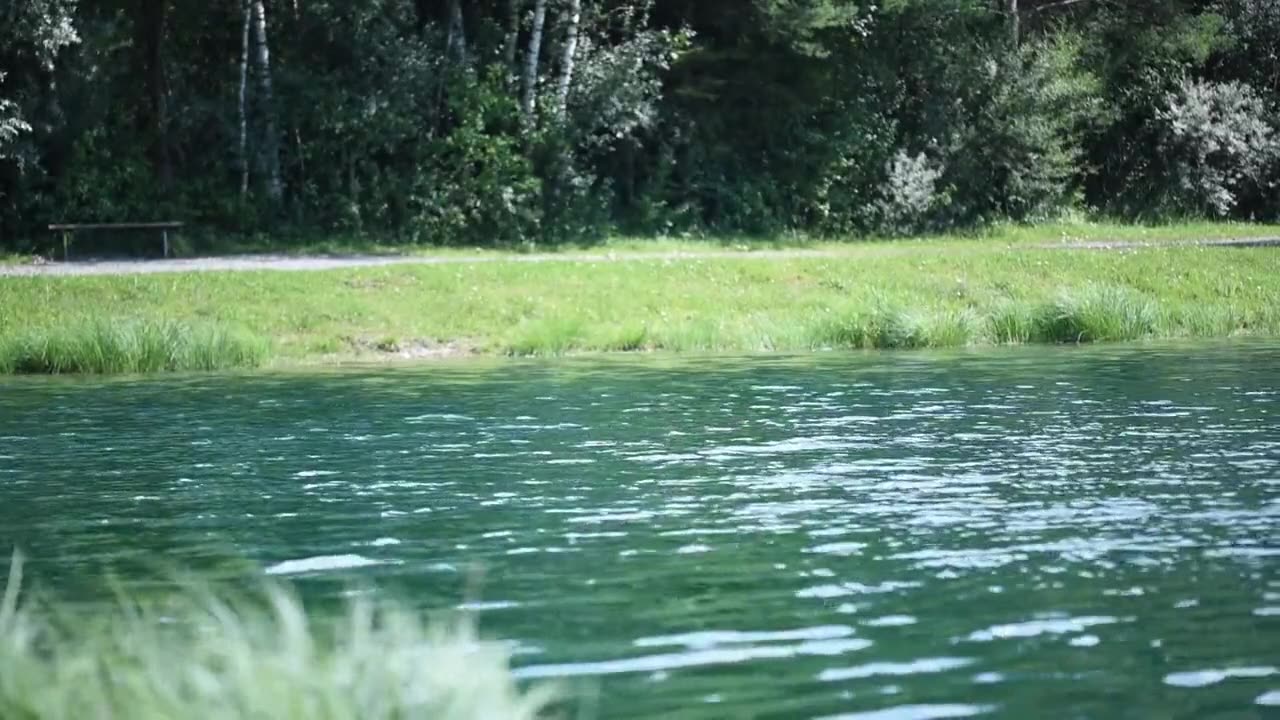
(887, 536)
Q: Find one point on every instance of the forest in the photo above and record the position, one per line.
(502, 122)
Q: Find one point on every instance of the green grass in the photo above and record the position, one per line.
(999, 289)
(1097, 313)
(201, 655)
(98, 346)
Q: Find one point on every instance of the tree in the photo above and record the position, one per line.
(36, 31)
(510, 120)
(529, 99)
(270, 146)
(242, 106)
(574, 13)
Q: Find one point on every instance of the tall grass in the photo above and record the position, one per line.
(553, 335)
(1098, 313)
(103, 347)
(204, 657)
(892, 327)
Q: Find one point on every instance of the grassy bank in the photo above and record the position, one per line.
(905, 294)
(201, 656)
(94, 345)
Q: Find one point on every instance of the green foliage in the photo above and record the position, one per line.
(771, 116)
(35, 31)
(1017, 153)
(477, 188)
(1219, 141)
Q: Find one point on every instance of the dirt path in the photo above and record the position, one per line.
(303, 263)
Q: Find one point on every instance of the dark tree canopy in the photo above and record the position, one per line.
(506, 121)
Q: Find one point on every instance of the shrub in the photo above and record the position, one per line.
(910, 197)
(1015, 152)
(1218, 145)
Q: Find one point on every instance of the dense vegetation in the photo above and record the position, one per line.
(506, 121)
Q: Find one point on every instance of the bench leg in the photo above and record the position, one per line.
(164, 236)
(66, 246)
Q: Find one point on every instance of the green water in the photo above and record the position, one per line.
(1068, 533)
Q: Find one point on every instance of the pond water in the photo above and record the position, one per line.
(1075, 533)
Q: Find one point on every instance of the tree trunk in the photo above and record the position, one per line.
(153, 29)
(270, 141)
(513, 35)
(244, 110)
(528, 104)
(456, 44)
(1015, 23)
(566, 61)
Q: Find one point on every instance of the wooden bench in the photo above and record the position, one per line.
(67, 229)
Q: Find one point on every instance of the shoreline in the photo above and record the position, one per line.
(903, 295)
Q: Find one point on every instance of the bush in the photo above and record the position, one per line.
(1218, 144)
(1016, 152)
(910, 199)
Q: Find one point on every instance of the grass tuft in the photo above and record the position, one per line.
(625, 337)
(888, 327)
(203, 656)
(1205, 321)
(553, 335)
(1098, 313)
(102, 347)
(1012, 323)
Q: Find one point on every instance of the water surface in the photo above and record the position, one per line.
(1075, 533)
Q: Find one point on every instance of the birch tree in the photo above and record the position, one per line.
(567, 60)
(528, 103)
(270, 142)
(456, 42)
(1015, 23)
(244, 85)
(513, 34)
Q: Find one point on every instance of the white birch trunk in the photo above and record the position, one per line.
(244, 111)
(456, 44)
(529, 103)
(271, 142)
(513, 35)
(566, 61)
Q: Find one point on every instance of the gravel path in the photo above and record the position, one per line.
(302, 263)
